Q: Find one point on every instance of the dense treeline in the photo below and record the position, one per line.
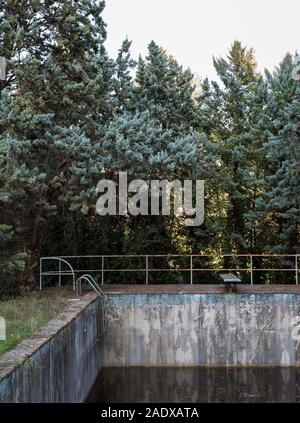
(70, 115)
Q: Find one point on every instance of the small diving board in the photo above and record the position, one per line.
(230, 280)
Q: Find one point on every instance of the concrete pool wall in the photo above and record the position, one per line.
(153, 326)
(60, 362)
(207, 329)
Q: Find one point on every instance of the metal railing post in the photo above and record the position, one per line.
(41, 269)
(59, 273)
(251, 269)
(296, 267)
(147, 270)
(250, 266)
(102, 270)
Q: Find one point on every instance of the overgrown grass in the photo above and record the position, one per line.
(24, 315)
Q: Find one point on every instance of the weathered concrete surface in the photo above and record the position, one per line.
(59, 363)
(181, 328)
(202, 329)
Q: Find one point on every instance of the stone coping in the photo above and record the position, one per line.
(14, 358)
(199, 289)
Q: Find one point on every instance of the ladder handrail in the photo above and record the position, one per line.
(92, 282)
(56, 272)
(99, 292)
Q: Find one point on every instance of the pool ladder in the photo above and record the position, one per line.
(102, 314)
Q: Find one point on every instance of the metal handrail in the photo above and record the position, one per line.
(191, 268)
(100, 294)
(92, 282)
(181, 255)
(55, 272)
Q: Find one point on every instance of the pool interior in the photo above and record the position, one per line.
(196, 385)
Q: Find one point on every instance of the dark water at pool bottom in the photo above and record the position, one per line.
(196, 385)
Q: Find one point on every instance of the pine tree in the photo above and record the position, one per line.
(164, 89)
(226, 116)
(55, 103)
(280, 200)
(137, 143)
(124, 81)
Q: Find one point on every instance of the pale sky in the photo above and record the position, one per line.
(194, 30)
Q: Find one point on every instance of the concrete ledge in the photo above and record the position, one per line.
(199, 289)
(59, 363)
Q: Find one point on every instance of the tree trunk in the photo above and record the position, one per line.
(33, 252)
